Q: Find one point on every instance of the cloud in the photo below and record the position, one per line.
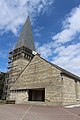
(37, 31)
(14, 12)
(45, 51)
(3, 54)
(71, 26)
(62, 54)
(68, 57)
(70, 50)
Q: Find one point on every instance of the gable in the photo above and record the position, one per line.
(38, 73)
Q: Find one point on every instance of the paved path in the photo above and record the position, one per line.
(30, 112)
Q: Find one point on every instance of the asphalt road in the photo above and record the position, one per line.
(31, 112)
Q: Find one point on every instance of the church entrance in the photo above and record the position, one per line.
(36, 95)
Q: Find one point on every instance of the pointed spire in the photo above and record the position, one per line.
(26, 37)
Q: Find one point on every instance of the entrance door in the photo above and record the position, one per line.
(37, 95)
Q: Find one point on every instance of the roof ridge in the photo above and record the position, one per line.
(62, 69)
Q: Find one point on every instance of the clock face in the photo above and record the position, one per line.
(34, 53)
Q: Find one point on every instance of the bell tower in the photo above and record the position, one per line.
(22, 54)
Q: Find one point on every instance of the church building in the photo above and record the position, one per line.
(34, 80)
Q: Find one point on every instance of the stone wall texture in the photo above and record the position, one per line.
(59, 90)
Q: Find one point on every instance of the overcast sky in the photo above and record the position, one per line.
(56, 29)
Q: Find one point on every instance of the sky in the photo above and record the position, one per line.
(56, 29)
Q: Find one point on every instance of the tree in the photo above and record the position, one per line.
(2, 79)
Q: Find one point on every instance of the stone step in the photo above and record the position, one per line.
(34, 103)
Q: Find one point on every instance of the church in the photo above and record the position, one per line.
(34, 80)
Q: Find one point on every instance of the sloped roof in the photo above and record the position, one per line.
(26, 37)
(63, 71)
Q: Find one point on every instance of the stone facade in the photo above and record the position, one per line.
(16, 68)
(33, 80)
(40, 74)
(69, 91)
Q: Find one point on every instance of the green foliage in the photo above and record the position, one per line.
(2, 79)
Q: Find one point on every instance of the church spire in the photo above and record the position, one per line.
(26, 37)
